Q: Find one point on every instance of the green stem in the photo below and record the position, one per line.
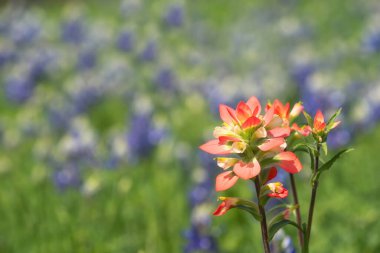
(263, 222)
(298, 211)
(313, 198)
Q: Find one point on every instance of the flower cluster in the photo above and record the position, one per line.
(255, 142)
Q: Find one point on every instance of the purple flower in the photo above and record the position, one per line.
(73, 31)
(200, 193)
(174, 16)
(199, 241)
(19, 89)
(371, 42)
(87, 59)
(165, 79)
(7, 55)
(301, 74)
(67, 176)
(40, 64)
(25, 31)
(79, 146)
(140, 144)
(125, 41)
(60, 117)
(149, 53)
(85, 97)
(282, 243)
(339, 137)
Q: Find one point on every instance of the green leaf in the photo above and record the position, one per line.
(273, 228)
(330, 163)
(249, 207)
(300, 146)
(277, 218)
(308, 119)
(324, 147)
(330, 122)
(266, 163)
(313, 152)
(277, 207)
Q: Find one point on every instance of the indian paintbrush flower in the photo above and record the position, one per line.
(321, 128)
(256, 140)
(277, 190)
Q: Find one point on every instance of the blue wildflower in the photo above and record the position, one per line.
(19, 89)
(174, 16)
(149, 53)
(125, 41)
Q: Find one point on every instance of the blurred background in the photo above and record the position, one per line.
(103, 106)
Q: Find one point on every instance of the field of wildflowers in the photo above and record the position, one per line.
(103, 107)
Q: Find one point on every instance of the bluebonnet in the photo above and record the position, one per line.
(174, 16)
(339, 137)
(78, 145)
(40, 63)
(7, 55)
(19, 89)
(67, 176)
(301, 73)
(125, 42)
(87, 59)
(322, 98)
(149, 53)
(200, 192)
(282, 243)
(142, 136)
(165, 79)
(198, 235)
(25, 30)
(199, 242)
(371, 42)
(73, 30)
(60, 117)
(85, 97)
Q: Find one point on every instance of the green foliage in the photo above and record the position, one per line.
(277, 225)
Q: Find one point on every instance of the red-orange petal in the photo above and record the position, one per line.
(283, 193)
(243, 111)
(227, 114)
(289, 162)
(304, 130)
(221, 209)
(213, 147)
(280, 109)
(272, 174)
(279, 132)
(255, 105)
(271, 144)
(225, 180)
(268, 116)
(251, 122)
(319, 121)
(226, 205)
(247, 170)
(224, 139)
